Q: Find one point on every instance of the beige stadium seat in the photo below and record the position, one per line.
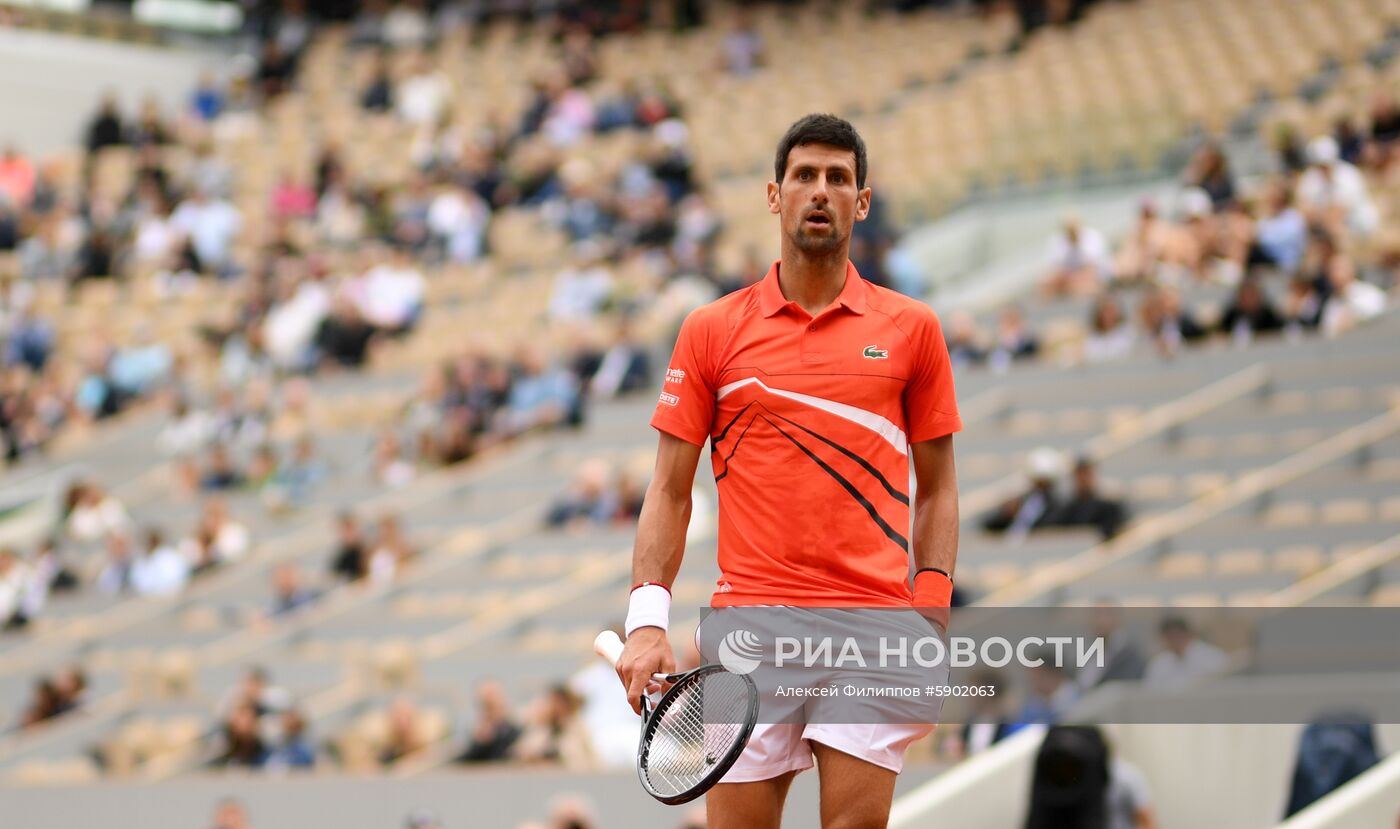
(1303, 559)
(1188, 564)
(1240, 562)
(1387, 595)
(1291, 514)
(1347, 511)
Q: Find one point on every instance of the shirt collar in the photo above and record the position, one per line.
(771, 299)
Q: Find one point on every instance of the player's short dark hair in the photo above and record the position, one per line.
(821, 128)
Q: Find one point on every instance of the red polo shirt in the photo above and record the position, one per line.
(809, 421)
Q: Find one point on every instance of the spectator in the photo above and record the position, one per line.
(1079, 261)
(230, 814)
(343, 336)
(51, 570)
(1184, 658)
(106, 128)
(554, 734)
(351, 559)
(378, 96)
(582, 288)
(422, 97)
(391, 552)
(1086, 507)
(115, 575)
(16, 179)
(1166, 323)
(541, 396)
(207, 100)
(1332, 751)
(1210, 171)
(15, 585)
(91, 513)
(1250, 313)
(494, 733)
(219, 472)
(390, 295)
(43, 707)
(743, 45)
(1014, 339)
(390, 467)
(294, 749)
(987, 723)
(161, 570)
(276, 70)
(256, 692)
(1282, 235)
(589, 499)
(406, 25)
(1049, 696)
(1078, 782)
(625, 367)
(1035, 507)
(1350, 301)
(210, 225)
(612, 727)
(1333, 193)
(405, 732)
(150, 128)
(1110, 335)
(422, 819)
(242, 744)
(71, 686)
(289, 595)
(965, 341)
(1123, 660)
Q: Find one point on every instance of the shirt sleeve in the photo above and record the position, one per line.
(686, 407)
(930, 401)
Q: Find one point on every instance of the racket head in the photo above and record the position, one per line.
(695, 733)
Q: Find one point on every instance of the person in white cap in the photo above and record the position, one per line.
(1333, 193)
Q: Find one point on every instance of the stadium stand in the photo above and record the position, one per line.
(366, 335)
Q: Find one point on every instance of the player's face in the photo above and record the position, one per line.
(818, 200)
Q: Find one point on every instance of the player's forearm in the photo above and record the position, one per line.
(661, 535)
(936, 528)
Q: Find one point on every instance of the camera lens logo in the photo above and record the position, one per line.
(740, 651)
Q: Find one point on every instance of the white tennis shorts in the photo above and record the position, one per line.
(778, 748)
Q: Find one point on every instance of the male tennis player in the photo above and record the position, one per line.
(814, 388)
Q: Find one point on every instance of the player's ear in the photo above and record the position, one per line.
(775, 199)
(862, 204)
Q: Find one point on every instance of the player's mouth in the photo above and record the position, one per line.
(818, 218)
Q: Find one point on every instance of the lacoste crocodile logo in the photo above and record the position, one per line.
(873, 353)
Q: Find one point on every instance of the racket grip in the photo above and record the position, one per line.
(609, 646)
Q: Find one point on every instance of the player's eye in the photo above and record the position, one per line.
(805, 175)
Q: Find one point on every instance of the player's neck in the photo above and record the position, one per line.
(812, 282)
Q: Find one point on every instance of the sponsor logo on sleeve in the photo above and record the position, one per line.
(675, 375)
(670, 399)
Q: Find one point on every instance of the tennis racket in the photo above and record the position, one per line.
(694, 732)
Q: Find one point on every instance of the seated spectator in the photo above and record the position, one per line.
(988, 722)
(1302, 307)
(422, 96)
(589, 499)
(106, 128)
(405, 734)
(1166, 323)
(1078, 261)
(391, 551)
(1333, 193)
(343, 336)
(241, 742)
(71, 687)
(295, 480)
(255, 691)
(390, 466)
(351, 559)
(210, 226)
(1035, 507)
(161, 570)
(1145, 247)
(390, 295)
(115, 575)
(1078, 782)
(1282, 233)
(43, 707)
(1014, 340)
(378, 95)
(1350, 301)
(219, 471)
(1332, 751)
(51, 569)
(1048, 697)
(207, 100)
(965, 341)
(1123, 660)
(582, 287)
(15, 585)
(542, 395)
(743, 46)
(554, 732)
(625, 367)
(1086, 507)
(1184, 659)
(188, 430)
(1210, 171)
(289, 594)
(1250, 313)
(90, 513)
(1110, 335)
(293, 749)
(495, 732)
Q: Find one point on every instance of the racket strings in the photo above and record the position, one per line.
(697, 730)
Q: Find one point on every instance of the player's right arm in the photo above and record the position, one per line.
(656, 558)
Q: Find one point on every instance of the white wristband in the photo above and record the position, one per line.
(650, 606)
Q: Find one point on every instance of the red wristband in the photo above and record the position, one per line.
(933, 596)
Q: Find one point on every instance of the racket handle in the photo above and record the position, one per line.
(609, 646)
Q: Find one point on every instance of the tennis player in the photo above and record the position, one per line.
(815, 388)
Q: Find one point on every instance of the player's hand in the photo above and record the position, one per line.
(646, 652)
